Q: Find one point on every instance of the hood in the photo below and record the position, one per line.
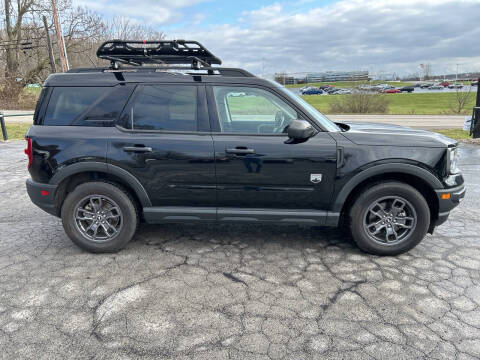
(365, 133)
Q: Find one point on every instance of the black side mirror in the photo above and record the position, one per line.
(300, 130)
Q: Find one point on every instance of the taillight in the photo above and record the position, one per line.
(29, 151)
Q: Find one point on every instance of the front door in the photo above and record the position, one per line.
(164, 140)
(255, 166)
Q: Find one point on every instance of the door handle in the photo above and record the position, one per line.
(137, 149)
(240, 151)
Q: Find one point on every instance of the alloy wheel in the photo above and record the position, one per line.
(98, 218)
(390, 220)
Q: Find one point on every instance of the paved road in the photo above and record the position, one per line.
(17, 116)
(426, 122)
(239, 292)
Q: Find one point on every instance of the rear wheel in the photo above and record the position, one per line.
(99, 217)
(389, 218)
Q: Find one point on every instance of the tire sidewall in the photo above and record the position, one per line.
(127, 208)
(376, 192)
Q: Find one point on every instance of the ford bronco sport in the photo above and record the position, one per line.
(172, 138)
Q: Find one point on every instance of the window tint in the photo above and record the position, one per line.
(252, 111)
(68, 103)
(111, 105)
(163, 107)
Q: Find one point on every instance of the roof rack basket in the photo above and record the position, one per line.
(162, 52)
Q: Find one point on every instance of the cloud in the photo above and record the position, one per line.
(393, 35)
(151, 12)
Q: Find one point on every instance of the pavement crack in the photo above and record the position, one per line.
(340, 292)
(234, 278)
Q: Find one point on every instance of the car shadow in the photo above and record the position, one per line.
(293, 236)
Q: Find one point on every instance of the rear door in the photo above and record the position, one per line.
(163, 139)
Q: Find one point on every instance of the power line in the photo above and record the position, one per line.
(7, 42)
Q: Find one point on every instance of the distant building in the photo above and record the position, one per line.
(284, 79)
(337, 76)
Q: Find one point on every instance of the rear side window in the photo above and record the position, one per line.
(85, 106)
(163, 107)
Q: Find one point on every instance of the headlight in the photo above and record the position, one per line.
(452, 161)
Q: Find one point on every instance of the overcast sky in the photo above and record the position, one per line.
(317, 35)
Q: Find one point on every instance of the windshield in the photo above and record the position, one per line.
(327, 124)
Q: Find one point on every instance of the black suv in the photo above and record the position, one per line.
(112, 147)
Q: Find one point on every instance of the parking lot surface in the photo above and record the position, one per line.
(239, 292)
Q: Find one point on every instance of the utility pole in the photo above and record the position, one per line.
(65, 53)
(59, 37)
(53, 68)
(476, 116)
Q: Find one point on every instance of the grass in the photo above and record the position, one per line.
(16, 131)
(249, 105)
(35, 91)
(405, 104)
(457, 134)
(349, 84)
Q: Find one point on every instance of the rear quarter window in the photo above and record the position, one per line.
(86, 106)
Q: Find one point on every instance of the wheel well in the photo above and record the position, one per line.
(68, 184)
(412, 180)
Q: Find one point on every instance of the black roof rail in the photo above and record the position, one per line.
(227, 72)
(163, 52)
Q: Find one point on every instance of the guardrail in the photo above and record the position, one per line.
(2, 123)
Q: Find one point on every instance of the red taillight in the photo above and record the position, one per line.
(29, 151)
(45, 192)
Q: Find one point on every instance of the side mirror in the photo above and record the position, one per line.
(300, 130)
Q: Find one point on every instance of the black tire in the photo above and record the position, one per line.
(366, 241)
(114, 194)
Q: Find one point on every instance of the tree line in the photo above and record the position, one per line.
(24, 52)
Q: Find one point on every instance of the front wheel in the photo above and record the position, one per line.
(99, 217)
(389, 218)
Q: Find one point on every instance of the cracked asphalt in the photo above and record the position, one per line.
(238, 292)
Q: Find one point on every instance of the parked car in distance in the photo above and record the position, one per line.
(381, 87)
(444, 83)
(474, 83)
(312, 91)
(111, 148)
(426, 85)
(391, 91)
(331, 90)
(408, 89)
(342, 92)
(455, 86)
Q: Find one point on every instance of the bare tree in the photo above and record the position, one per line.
(360, 102)
(121, 27)
(23, 38)
(14, 12)
(461, 100)
(427, 71)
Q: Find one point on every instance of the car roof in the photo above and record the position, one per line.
(108, 77)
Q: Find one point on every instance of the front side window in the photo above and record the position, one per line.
(252, 110)
(163, 107)
(321, 119)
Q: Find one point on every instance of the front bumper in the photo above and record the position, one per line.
(446, 205)
(43, 200)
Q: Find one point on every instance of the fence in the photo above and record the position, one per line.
(2, 123)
